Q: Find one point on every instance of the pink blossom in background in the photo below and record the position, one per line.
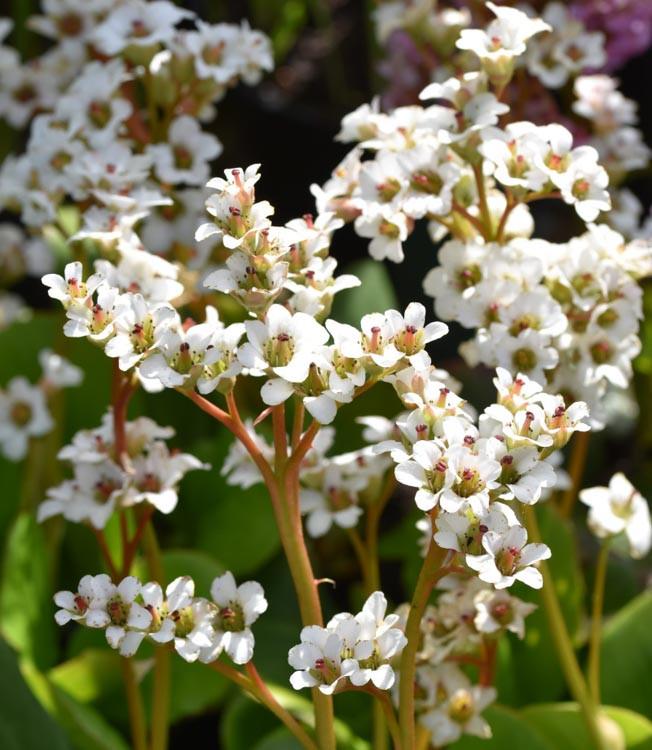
(626, 23)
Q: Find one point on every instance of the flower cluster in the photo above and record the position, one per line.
(463, 626)
(451, 163)
(465, 475)
(103, 481)
(116, 109)
(429, 41)
(356, 649)
(612, 119)
(566, 314)
(199, 628)
(419, 42)
(126, 308)
(24, 412)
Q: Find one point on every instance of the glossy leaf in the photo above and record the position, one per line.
(375, 295)
(26, 608)
(509, 730)
(562, 724)
(23, 722)
(236, 527)
(626, 661)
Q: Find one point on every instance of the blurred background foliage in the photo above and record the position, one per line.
(66, 686)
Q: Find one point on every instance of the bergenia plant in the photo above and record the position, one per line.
(192, 301)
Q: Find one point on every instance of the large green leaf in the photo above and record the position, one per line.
(248, 725)
(86, 727)
(26, 608)
(279, 739)
(236, 527)
(24, 725)
(536, 678)
(278, 628)
(93, 675)
(562, 724)
(244, 724)
(509, 730)
(626, 660)
(200, 566)
(195, 688)
(376, 294)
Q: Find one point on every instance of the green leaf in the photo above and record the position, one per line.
(92, 675)
(376, 294)
(540, 679)
(509, 730)
(86, 727)
(280, 739)
(277, 630)
(235, 526)
(26, 608)
(200, 566)
(246, 724)
(194, 688)
(23, 722)
(562, 724)
(626, 657)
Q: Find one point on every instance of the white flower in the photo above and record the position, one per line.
(474, 476)
(410, 333)
(93, 321)
(178, 355)
(156, 476)
(583, 184)
(459, 714)
(285, 345)
(216, 51)
(238, 608)
(505, 37)
(71, 289)
(234, 212)
(137, 326)
(89, 599)
(238, 466)
(430, 181)
(23, 415)
(617, 509)
(508, 559)
(317, 660)
(373, 341)
(496, 610)
(529, 351)
(599, 100)
(91, 495)
(129, 620)
(184, 157)
(463, 531)
(190, 619)
(254, 281)
(426, 470)
(371, 663)
(387, 229)
(57, 371)
(524, 475)
(138, 23)
(322, 514)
